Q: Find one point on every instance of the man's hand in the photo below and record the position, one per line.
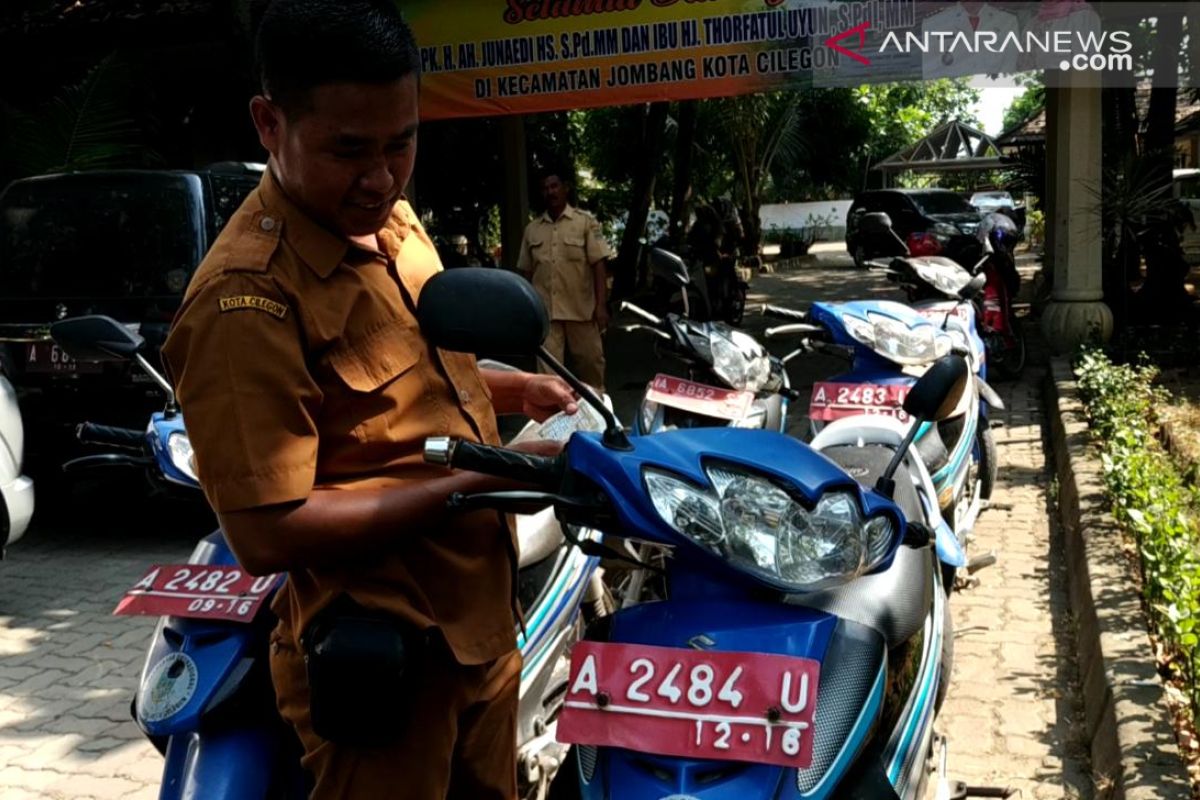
(546, 395)
(601, 316)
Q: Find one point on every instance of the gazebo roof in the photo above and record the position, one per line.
(953, 145)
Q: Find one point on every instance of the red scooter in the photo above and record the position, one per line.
(997, 322)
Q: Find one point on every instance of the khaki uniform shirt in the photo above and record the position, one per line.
(299, 365)
(560, 254)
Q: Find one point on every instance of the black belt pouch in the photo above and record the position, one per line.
(365, 669)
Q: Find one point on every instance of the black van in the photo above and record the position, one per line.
(120, 243)
(940, 214)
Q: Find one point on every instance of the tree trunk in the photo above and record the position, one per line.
(685, 147)
(624, 282)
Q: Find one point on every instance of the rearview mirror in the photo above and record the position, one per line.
(669, 266)
(875, 222)
(96, 338)
(937, 393)
(974, 287)
(480, 310)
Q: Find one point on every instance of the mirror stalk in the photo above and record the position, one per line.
(886, 485)
(614, 434)
(172, 407)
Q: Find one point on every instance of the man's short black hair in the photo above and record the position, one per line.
(563, 175)
(303, 44)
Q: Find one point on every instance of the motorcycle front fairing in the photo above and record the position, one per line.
(205, 699)
(685, 453)
(713, 607)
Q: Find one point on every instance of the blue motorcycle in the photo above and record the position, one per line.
(205, 697)
(801, 648)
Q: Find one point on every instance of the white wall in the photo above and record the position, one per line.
(796, 216)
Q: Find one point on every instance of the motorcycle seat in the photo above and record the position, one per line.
(538, 535)
(867, 464)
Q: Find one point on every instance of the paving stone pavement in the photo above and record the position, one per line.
(1014, 714)
(68, 668)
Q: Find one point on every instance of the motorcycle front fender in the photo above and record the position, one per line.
(234, 764)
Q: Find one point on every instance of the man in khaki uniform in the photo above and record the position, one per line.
(565, 255)
(309, 391)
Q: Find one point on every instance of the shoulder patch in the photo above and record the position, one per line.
(250, 302)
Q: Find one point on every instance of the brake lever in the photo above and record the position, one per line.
(792, 329)
(639, 327)
(568, 510)
(528, 502)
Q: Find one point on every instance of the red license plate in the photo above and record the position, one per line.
(48, 357)
(731, 706)
(697, 398)
(832, 401)
(197, 591)
(939, 314)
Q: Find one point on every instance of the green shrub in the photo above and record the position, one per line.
(1152, 500)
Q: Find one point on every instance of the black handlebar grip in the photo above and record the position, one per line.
(791, 315)
(125, 438)
(544, 471)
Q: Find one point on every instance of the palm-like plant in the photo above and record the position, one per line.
(760, 131)
(91, 125)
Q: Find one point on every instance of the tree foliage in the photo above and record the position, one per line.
(1028, 103)
(96, 123)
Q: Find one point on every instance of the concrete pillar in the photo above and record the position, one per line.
(1076, 312)
(515, 211)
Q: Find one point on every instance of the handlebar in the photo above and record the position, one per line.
(124, 438)
(544, 471)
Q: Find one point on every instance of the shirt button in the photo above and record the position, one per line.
(464, 395)
(267, 223)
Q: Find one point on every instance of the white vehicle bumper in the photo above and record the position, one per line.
(18, 500)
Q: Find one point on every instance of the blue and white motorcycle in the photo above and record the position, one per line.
(889, 345)
(205, 697)
(801, 647)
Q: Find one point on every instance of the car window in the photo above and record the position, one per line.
(940, 203)
(1188, 188)
(896, 204)
(124, 237)
(228, 193)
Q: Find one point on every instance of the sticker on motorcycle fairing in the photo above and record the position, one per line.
(168, 687)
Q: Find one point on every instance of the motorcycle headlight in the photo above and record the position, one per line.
(179, 448)
(758, 527)
(739, 360)
(946, 280)
(897, 342)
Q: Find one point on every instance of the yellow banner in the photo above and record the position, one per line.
(491, 57)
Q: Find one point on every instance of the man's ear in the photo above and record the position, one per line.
(268, 120)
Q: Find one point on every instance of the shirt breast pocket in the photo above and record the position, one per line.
(574, 249)
(373, 381)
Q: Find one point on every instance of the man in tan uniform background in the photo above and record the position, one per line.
(565, 255)
(309, 390)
